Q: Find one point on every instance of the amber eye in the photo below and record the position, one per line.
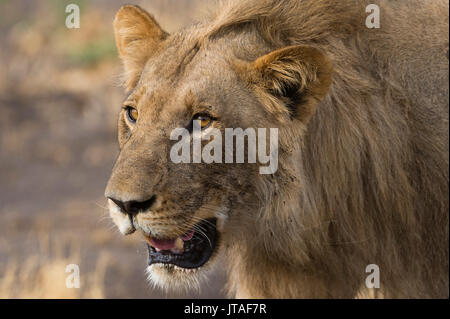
(132, 114)
(205, 120)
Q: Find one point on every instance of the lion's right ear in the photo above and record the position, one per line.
(137, 37)
(290, 80)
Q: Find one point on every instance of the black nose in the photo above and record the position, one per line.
(133, 207)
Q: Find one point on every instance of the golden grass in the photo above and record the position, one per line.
(44, 275)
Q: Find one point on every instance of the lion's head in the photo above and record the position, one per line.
(190, 212)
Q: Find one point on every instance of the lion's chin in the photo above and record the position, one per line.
(172, 278)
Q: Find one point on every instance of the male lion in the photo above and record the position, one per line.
(362, 118)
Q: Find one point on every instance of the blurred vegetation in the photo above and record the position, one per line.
(94, 51)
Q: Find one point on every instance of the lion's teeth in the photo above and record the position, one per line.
(179, 243)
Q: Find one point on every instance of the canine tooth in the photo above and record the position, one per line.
(179, 243)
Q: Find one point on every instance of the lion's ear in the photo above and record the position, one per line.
(298, 77)
(137, 37)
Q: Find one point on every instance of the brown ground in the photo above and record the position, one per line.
(59, 100)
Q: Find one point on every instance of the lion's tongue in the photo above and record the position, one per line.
(162, 244)
(170, 244)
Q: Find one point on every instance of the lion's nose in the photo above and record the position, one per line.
(133, 207)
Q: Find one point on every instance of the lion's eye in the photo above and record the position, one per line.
(205, 120)
(132, 114)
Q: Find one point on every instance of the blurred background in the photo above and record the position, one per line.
(59, 101)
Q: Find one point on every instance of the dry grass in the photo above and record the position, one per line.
(45, 277)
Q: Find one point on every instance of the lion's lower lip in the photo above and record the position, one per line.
(197, 250)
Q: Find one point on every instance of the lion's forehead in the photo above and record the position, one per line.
(185, 54)
(170, 82)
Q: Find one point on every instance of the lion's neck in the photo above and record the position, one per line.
(273, 241)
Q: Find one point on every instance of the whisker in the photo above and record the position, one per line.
(204, 235)
(101, 206)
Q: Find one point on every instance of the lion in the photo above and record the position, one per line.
(362, 119)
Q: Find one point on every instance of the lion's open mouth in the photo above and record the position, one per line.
(190, 251)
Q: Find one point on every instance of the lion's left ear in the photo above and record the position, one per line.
(297, 77)
(137, 35)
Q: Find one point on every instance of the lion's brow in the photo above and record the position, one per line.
(130, 94)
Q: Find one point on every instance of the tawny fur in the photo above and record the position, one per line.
(363, 175)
